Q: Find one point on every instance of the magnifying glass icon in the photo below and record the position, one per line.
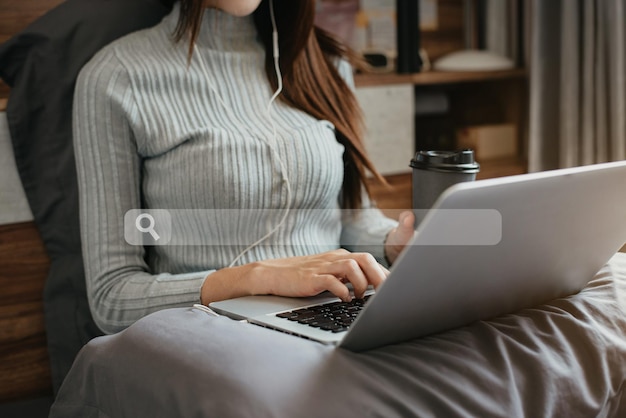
(148, 229)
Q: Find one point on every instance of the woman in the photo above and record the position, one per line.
(176, 117)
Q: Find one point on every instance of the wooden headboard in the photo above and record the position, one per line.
(24, 364)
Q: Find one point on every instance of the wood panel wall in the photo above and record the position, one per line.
(24, 365)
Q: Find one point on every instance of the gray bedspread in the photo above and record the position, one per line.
(564, 359)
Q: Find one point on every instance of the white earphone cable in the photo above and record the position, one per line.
(272, 145)
(276, 56)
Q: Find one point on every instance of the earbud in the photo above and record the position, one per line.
(274, 31)
(275, 44)
(276, 54)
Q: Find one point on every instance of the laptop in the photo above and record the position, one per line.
(524, 240)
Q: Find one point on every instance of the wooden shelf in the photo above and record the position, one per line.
(392, 200)
(436, 77)
(398, 197)
(501, 167)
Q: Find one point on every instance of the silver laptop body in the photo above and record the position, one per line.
(557, 228)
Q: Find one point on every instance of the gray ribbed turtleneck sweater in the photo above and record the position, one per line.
(151, 133)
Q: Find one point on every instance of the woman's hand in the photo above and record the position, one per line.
(399, 236)
(297, 277)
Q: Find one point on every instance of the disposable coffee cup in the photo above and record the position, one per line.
(434, 172)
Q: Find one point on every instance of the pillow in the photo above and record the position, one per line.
(41, 64)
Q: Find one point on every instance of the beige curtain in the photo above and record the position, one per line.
(502, 28)
(577, 83)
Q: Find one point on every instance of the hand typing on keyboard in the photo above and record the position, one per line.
(297, 277)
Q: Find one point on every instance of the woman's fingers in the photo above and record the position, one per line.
(385, 270)
(361, 269)
(333, 285)
(350, 270)
(400, 236)
(311, 275)
(374, 272)
(406, 227)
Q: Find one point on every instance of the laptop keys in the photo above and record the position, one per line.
(334, 317)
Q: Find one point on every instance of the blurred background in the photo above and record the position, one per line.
(530, 85)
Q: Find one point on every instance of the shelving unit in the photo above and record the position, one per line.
(397, 197)
(476, 98)
(433, 78)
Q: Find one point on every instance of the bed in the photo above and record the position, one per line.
(566, 358)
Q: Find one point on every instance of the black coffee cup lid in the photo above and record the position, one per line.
(452, 161)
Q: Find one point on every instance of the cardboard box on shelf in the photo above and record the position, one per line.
(489, 141)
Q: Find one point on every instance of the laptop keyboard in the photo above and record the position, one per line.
(333, 317)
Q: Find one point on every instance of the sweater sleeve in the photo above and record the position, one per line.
(364, 230)
(120, 287)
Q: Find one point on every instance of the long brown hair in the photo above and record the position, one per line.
(312, 83)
